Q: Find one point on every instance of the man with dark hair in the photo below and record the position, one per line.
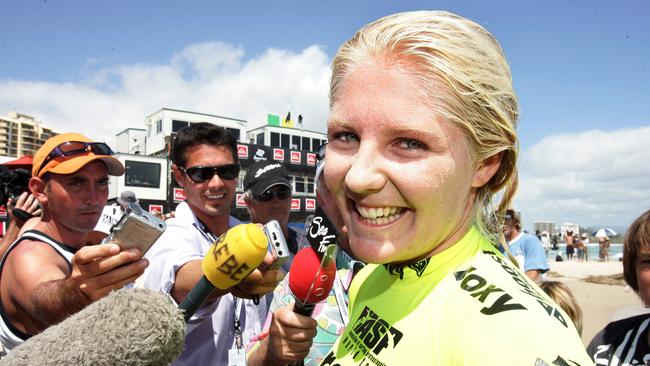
(268, 197)
(49, 273)
(205, 164)
(526, 248)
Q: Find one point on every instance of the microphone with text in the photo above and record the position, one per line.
(127, 327)
(228, 262)
(311, 278)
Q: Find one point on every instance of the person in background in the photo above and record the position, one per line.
(331, 315)
(625, 341)
(421, 136)
(585, 246)
(49, 273)
(603, 249)
(570, 245)
(526, 248)
(267, 193)
(205, 164)
(20, 210)
(546, 243)
(561, 295)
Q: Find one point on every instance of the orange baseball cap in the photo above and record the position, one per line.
(71, 163)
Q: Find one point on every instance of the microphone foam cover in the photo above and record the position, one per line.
(305, 271)
(127, 327)
(234, 255)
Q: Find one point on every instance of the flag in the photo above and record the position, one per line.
(300, 120)
(287, 122)
(273, 119)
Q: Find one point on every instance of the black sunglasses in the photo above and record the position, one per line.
(70, 148)
(281, 193)
(200, 174)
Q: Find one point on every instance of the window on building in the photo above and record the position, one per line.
(177, 125)
(295, 142)
(234, 132)
(284, 141)
(305, 144)
(259, 139)
(310, 186)
(159, 126)
(275, 139)
(141, 174)
(315, 143)
(299, 185)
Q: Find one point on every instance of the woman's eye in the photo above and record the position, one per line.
(345, 137)
(410, 144)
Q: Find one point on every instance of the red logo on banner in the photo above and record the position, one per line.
(278, 154)
(239, 200)
(179, 194)
(154, 209)
(3, 211)
(242, 151)
(295, 204)
(310, 204)
(311, 159)
(295, 157)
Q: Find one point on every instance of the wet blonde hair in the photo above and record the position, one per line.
(441, 48)
(563, 297)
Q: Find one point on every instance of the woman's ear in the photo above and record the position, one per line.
(486, 170)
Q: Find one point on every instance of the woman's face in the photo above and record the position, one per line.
(402, 175)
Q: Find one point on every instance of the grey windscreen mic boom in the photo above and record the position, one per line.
(127, 327)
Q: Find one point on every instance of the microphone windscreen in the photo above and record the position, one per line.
(308, 282)
(234, 255)
(127, 327)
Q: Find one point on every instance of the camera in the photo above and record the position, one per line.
(13, 182)
(277, 244)
(136, 229)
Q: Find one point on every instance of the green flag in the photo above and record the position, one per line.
(273, 119)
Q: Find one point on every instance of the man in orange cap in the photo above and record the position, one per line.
(49, 273)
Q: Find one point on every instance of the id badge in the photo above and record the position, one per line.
(236, 357)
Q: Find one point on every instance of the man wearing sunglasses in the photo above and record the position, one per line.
(49, 273)
(205, 164)
(268, 197)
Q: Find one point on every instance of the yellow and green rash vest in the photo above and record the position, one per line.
(467, 305)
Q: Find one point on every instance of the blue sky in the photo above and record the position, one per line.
(581, 70)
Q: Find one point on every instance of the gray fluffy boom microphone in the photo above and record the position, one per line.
(127, 327)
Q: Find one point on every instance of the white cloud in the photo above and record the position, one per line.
(208, 77)
(591, 178)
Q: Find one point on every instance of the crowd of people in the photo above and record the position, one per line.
(421, 137)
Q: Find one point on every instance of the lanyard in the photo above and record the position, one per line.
(239, 341)
(207, 235)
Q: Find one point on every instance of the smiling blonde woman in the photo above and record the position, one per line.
(422, 135)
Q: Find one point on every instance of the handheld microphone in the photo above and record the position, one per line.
(311, 278)
(127, 327)
(231, 258)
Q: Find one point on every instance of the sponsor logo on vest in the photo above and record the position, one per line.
(369, 336)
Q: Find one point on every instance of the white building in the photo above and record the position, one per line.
(131, 141)
(567, 226)
(161, 124)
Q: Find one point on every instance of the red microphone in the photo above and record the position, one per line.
(311, 279)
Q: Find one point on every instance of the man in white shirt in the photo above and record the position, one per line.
(205, 164)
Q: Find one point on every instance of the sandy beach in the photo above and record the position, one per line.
(600, 303)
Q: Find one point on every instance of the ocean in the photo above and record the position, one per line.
(615, 252)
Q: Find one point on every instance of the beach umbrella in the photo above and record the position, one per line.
(601, 233)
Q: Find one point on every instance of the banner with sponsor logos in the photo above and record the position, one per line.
(179, 194)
